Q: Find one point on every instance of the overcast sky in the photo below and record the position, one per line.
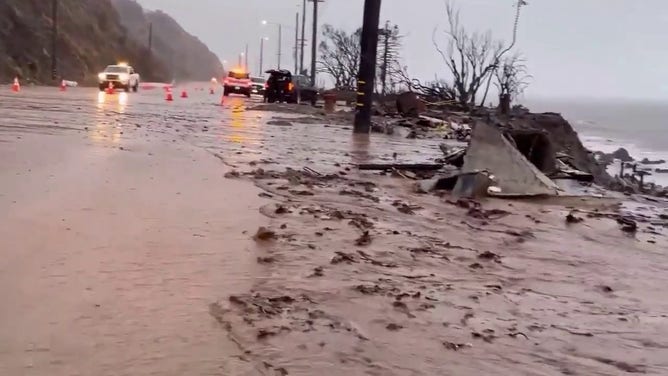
(575, 48)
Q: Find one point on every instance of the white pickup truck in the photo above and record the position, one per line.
(121, 76)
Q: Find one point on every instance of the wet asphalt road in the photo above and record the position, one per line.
(118, 229)
(116, 233)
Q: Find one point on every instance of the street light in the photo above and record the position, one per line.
(262, 52)
(241, 58)
(280, 38)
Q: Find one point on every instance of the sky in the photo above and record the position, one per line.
(574, 48)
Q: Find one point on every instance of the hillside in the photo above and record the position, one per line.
(186, 57)
(90, 37)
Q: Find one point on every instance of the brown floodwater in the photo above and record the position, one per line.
(118, 230)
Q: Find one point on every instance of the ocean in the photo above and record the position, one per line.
(606, 125)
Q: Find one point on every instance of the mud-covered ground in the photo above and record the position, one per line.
(132, 244)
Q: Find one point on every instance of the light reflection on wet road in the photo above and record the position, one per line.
(118, 229)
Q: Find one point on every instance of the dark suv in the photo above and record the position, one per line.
(282, 86)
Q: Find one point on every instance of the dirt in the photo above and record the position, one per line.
(468, 284)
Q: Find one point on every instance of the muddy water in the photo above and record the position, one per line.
(117, 229)
(116, 235)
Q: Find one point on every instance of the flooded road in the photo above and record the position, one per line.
(116, 235)
(126, 248)
(118, 229)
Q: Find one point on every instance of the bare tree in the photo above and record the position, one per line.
(339, 56)
(519, 5)
(512, 78)
(511, 81)
(470, 57)
(438, 89)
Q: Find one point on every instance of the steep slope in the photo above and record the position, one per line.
(187, 58)
(90, 36)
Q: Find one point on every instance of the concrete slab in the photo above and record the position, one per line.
(513, 173)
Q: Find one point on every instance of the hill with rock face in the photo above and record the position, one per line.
(93, 34)
(186, 57)
(90, 36)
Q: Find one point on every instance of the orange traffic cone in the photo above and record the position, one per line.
(110, 89)
(184, 94)
(16, 86)
(168, 95)
(63, 87)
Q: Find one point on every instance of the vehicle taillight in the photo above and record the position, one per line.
(266, 85)
(226, 81)
(291, 86)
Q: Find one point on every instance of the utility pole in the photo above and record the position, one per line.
(246, 59)
(54, 40)
(303, 41)
(296, 43)
(261, 55)
(280, 37)
(367, 72)
(314, 43)
(150, 37)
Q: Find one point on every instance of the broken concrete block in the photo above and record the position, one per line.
(513, 173)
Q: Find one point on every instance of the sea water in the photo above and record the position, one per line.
(641, 127)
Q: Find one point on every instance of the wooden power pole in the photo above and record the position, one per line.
(54, 40)
(367, 72)
(303, 41)
(314, 43)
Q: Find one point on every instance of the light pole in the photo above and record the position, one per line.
(241, 59)
(303, 41)
(262, 53)
(246, 59)
(280, 39)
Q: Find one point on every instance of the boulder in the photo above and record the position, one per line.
(622, 154)
(646, 161)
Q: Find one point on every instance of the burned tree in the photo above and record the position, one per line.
(438, 89)
(471, 58)
(340, 55)
(512, 79)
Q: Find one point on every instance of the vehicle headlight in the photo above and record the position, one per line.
(101, 76)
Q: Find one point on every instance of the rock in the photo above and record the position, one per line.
(265, 260)
(628, 224)
(264, 234)
(343, 257)
(232, 174)
(363, 240)
(410, 105)
(318, 272)
(661, 170)
(623, 155)
(487, 255)
(393, 327)
(455, 346)
(571, 218)
(280, 123)
(646, 161)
